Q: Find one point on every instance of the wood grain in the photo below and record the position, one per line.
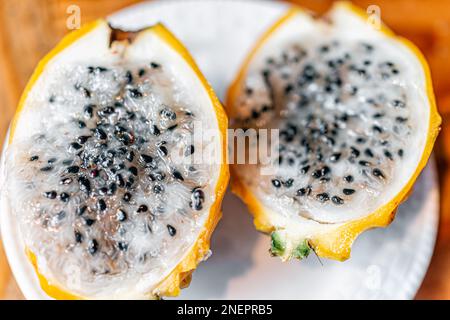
(30, 28)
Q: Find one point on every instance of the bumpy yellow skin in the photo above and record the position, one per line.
(335, 241)
(180, 276)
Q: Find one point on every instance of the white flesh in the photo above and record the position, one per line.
(151, 256)
(305, 214)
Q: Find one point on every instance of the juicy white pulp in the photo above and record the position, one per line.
(335, 89)
(124, 118)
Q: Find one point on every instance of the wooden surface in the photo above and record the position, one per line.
(30, 28)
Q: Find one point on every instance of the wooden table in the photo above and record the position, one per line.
(30, 28)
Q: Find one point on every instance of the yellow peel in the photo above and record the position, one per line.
(336, 240)
(180, 275)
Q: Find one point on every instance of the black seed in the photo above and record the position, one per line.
(155, 65)
(337, 200)
(103, 191)
(368, 153)
(75, 146)
(81, 124)
(198, 193)
(106, 111)
(197, 197)
(78, 237)
(168, 114)
(129, 77)
(131, 115)
(364, 163)
(377, 129)
(122, 246)
(172, 230)
(255, 114)
(64, 197)
(135, 93)
(335, 157)
(355, 152)
(142, 208)
(100, 134)
(112, 189)
(301, 192)
(130, 183)
(265, 108)
(177, 175)
(133, 171)
(93, 246)
(66, 181)
(401, 119)
(276, 183)
(354, 90)
(101, 205)
(155, 131)
(378, 173)
(34, 158)
(388, 155)
(146, 158)
(89, 222)
(316, 174)
(378, 115)
(81, 210)
(288, 89)
(360, 140)
(325, 170)
(52, 160)
(127, 197)
(400, 152)
(304, 170)
(266, 73)
(323, 197)
(50, 194)
(349, 178)
(85, 185)
(157, 188)
(89, 112)
(47, 169)
(288, 183)
(162, 151)
(130, 156)
(368, 47)
(120, 181)
(121, 215)
(141, 72)
(171, 128)
(348, 191)
(189, 150)
(398, 104)
(324, 48)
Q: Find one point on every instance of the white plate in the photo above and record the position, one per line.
(385, 264)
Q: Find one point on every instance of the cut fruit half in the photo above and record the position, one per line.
(104, 178)
(357, 118)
